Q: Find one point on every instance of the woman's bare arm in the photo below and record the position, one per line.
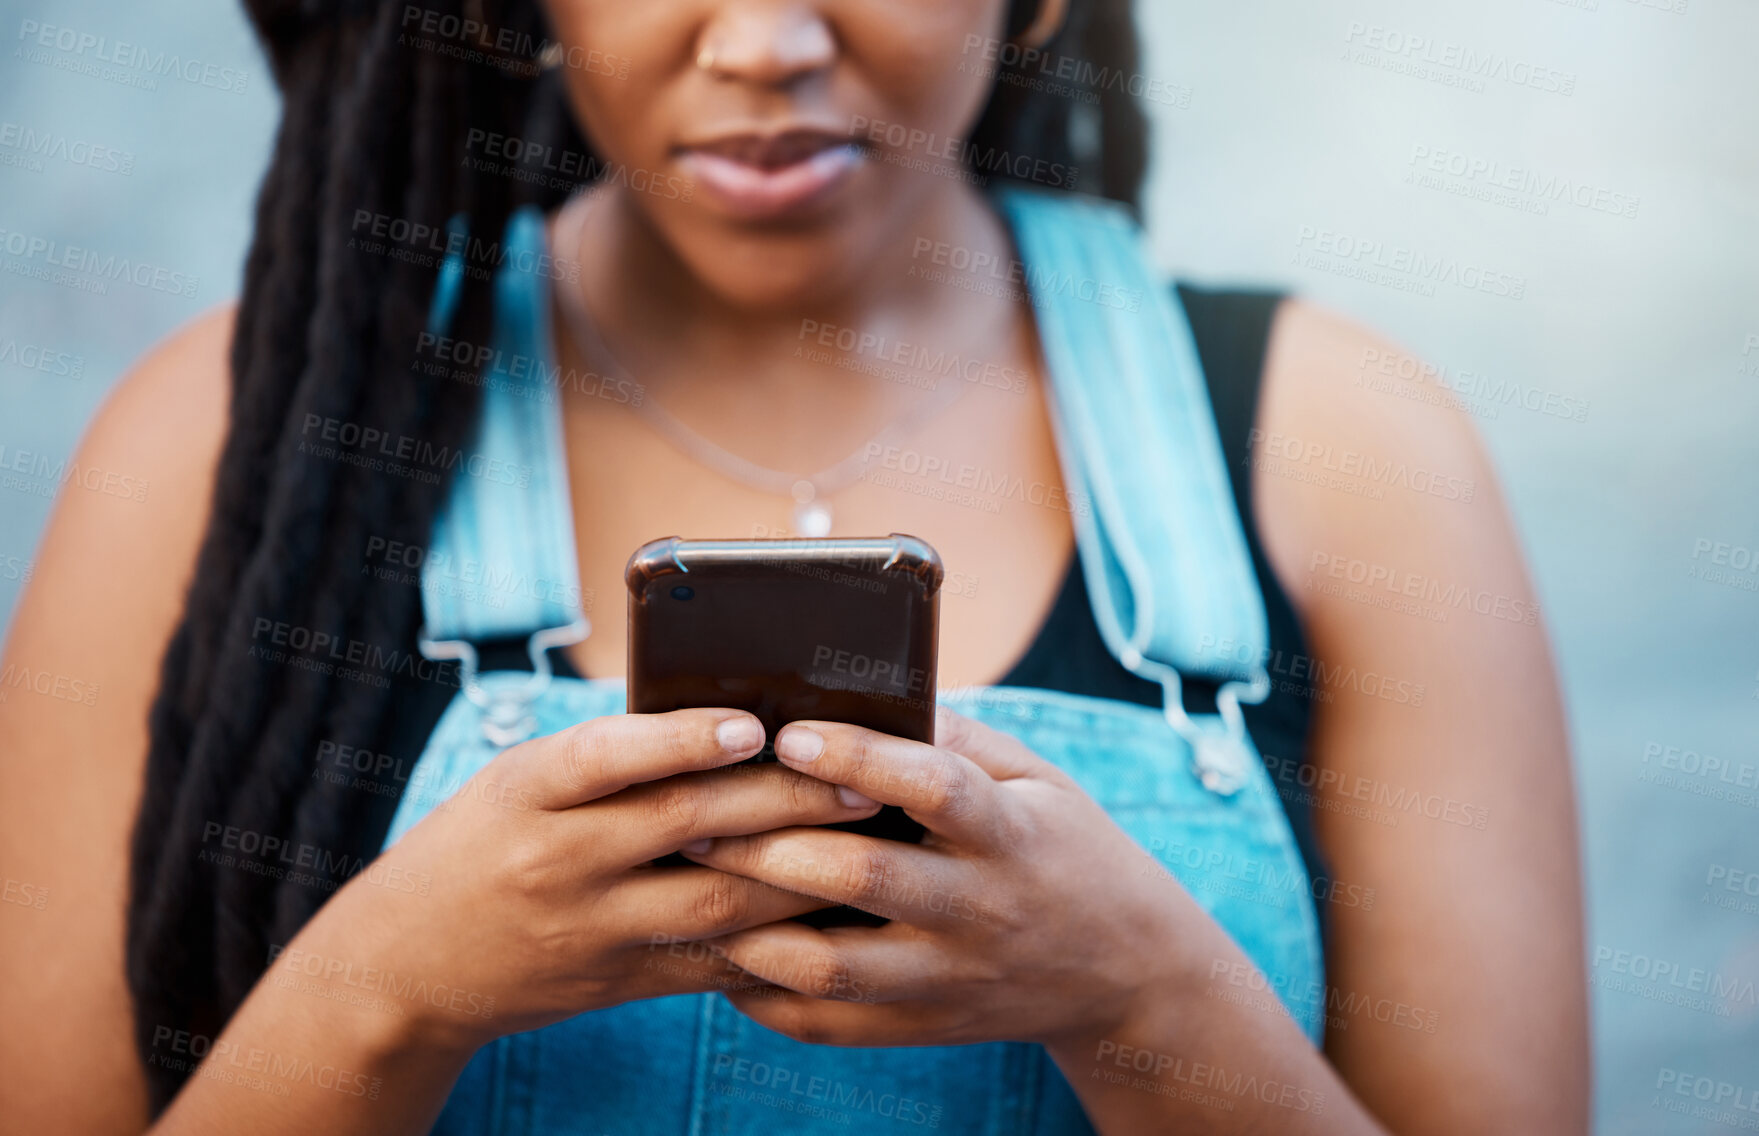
(105, 594)
(1455, 999)
(1445, 807)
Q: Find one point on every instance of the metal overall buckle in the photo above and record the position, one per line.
(507, 717)
(1221, 758)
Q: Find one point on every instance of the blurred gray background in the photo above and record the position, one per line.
(1599, 157)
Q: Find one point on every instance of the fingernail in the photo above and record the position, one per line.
(799, 745)
(852, 799)
(698, 847)
(739, 735)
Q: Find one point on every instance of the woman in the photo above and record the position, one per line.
(347, 908)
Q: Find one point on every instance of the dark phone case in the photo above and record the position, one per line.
(842, 630)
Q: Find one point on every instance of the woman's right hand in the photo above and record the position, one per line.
(530, 896)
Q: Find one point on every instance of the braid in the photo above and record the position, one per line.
(328, 812)
(328, 327)
(170, 950)
(1108, 37)
(1073, 133)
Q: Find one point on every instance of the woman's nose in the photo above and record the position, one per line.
(768, 44)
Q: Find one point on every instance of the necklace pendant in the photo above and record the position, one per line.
(812, 519)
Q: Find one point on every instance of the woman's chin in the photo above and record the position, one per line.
(777, 282)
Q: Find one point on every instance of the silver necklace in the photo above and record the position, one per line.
(811, 493)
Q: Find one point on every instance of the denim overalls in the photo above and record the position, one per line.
(1167, 567)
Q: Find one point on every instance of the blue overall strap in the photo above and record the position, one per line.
(1161, 542)
(501, 562)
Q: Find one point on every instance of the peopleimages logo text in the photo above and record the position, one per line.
(1468, 61)
(97, 49)
(74, 258)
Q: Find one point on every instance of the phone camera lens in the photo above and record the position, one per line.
(683, 592)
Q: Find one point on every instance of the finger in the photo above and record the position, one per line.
(840, 964)
(651, 820)
(687, 905)
(888, 878)
(999, 754)
(817, 1021)
(605, 755)
(939, 789)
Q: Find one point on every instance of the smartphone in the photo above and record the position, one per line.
(838, 630)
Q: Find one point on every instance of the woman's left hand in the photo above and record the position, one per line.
(1025, 914)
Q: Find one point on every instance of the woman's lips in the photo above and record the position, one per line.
(762, 179)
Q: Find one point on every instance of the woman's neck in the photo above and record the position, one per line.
(735, 369)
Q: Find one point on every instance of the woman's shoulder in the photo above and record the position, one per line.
(185, 374)
(1357, 455)
(148, 456)
(169, 410)
(1345, 449)
(114, 563)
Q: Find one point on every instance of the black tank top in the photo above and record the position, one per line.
(1232, 330)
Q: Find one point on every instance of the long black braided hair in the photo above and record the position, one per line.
(241, 836)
